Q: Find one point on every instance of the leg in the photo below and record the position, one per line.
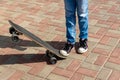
(70, 9)
(70, 14)
(82, 11)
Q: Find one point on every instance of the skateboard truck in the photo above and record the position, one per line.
(15, 34)
(51, 57)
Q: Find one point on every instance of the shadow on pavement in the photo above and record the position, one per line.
(6, 42)
(24, 59)
(20, 58)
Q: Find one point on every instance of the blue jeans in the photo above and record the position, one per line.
(71, 8)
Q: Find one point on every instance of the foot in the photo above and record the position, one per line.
(66, 50)
(83, 47)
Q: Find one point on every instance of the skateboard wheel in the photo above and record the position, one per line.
(15, 38)
(51, 57)
(11, 30)
(53, 60)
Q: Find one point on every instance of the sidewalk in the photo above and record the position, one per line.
(25, 60)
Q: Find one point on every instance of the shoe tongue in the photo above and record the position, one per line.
(83, 39)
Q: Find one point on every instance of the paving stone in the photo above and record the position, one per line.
(65, 63)
(91, 58)
(93, 29)
(6, 73)
(101, 60)
(21, 67)
(87, 72)
(77, 76)
(112, 66)
(115, 75)
(56, 77)
(104, 74)
(88, 78)
(17, 75)
(75, 64)
(77, 56)
(30, 77)
(63, 72)
(90, 66)
(46, 71)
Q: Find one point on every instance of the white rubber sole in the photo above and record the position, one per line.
(82, 50)
(64, 53)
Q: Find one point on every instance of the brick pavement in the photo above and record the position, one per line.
(25, 60)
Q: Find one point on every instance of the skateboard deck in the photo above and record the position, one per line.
(36, 39)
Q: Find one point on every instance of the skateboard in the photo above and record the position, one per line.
(51, 52)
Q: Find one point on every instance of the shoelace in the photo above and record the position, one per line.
(83, 43)
(68, 47)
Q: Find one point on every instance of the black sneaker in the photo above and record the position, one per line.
(66, 50)
(83, 47)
